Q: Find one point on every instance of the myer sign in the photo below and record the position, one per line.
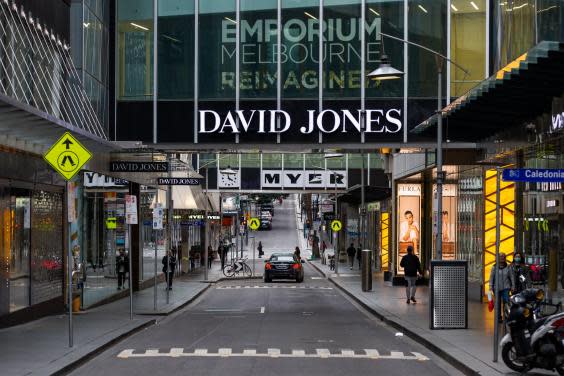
(280, 121)
(299, 179)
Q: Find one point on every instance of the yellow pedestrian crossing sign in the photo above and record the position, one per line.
(67, 156)
(336, 225)
(254, 223)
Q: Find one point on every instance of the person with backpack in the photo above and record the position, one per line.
(411, 267)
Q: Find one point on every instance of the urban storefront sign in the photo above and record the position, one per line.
(178, 181)
(538, 175)
(279, 121)
(96, 180)
(127, 166)
(299, 179)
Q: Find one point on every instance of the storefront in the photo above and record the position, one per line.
(31, 238)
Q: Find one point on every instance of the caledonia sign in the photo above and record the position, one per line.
(279, 121)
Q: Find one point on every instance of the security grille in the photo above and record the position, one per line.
(449, 295)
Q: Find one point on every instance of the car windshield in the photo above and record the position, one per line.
(286, 258)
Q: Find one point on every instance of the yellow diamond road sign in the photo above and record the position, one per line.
(67, 156)
(254, 223)
(336, 225)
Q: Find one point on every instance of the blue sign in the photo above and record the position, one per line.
(535, 175)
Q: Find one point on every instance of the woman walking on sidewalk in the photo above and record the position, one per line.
(411, 266)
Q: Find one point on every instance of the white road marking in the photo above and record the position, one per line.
(261, 309)
(275, 287)
(223, 310)
(274, 353)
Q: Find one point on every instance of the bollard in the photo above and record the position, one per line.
(366, 270)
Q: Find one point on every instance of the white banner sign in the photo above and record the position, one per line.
(299, 179)
(131, 210)
(158, 217)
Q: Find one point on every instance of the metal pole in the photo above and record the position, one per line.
(69, 266)
(130, 273)
(362, 208)
(439, 241)
(336, 234)
(156, 253)
(168, 242)
(206, 229)
(496, 266)
(155, 68)
(254, 256)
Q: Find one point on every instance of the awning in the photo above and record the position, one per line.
(516, 94)
(371, 194)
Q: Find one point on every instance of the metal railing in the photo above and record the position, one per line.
(36, 69)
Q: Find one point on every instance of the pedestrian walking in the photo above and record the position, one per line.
(323, 248)
(122, 268)
(260, 252)
(359, 256)
(520, 274)
(169, 265)
(297, 253)
(501, 289)
(411, 267)
(222, 250)
(210, 256)
(351, 252)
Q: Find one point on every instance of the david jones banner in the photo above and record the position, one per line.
(280, 121)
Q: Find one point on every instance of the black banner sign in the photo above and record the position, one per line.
(126, 166)
(178, 181)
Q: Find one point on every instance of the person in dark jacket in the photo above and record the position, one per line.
(359, 256)
(122, 268)
(351, 252)
(520, 275)
(210, 256)
(222, 250)
(260, 250)
(411, 267)
(297, 253)
(169, 265)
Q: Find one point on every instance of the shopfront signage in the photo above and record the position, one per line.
(127, 166)
(67, 156)
(96, 180)
(552, 203)
(279, 121)
(557, 122)
(300, 179)
(178, 181)
(538, 175)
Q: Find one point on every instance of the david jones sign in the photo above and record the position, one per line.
(280, 121)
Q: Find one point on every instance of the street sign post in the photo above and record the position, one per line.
(254, 223)
(130, 219)
(67, 156)
(533, 175)
(336, 225)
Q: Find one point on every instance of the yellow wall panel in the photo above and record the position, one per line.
(507, 221)
(385, 240)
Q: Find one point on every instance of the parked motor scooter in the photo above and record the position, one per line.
(533, 341)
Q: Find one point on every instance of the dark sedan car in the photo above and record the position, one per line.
(283, 266)
(265, 224)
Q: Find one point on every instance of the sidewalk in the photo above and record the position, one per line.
(470, 350)
(41, 347)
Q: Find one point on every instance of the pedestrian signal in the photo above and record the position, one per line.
(254, 223)
(336, 225)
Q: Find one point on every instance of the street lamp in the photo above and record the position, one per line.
(386, 72)
(227, 171)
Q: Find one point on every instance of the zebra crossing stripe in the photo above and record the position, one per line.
(177, 352)
(274, 287)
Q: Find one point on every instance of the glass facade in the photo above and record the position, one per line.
(252, 55)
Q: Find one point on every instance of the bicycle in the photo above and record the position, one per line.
(237, 267)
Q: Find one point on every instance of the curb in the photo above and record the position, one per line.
(453, 361)
(175, 309)
(92, 354)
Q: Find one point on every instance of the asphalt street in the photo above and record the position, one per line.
(281, 328)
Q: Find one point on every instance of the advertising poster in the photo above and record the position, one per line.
(131, 210)
(409, 212)
(448, 221)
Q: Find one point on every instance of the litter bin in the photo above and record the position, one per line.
(366, 270)
(449, 295)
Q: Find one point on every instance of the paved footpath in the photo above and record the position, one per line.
(41, 347)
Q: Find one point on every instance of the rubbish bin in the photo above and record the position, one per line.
(449, 295)
(366, 270)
